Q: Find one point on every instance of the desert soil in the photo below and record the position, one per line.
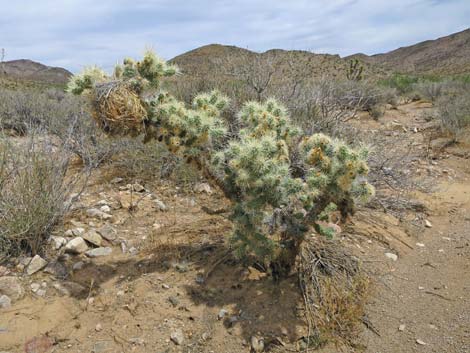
(169, 276)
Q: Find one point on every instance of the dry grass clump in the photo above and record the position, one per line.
(118, 109)
(34, 194)
(334, 290)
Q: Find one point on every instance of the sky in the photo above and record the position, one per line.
(76, 33)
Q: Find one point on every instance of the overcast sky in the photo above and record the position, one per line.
(75, 33)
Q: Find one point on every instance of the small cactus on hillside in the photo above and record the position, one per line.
(280, 182)
(355, 70)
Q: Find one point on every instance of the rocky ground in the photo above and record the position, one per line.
(141, 267)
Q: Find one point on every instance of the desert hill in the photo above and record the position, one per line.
(446, 55)
(28, 70)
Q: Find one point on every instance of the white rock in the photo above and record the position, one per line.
(401, 327)
(98, 327)
(177, 337)
(137, 187)
(257, 344)
(159, 205)
(99, 252)
(37, 263)
(11, 286)
(105, 208)
(222, 314)
(203, 188)
(95, 213)
(76, 246)
(102, 203)
(58, 242)
(391, 256)
(35, 287)
(5, 301)
(75, 232)
(420, 342)
(41, 292)
(427, 224)
(421, 245)
(93, 238)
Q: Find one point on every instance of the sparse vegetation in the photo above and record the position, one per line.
(454, 113)
(34, 191)
(279, 181)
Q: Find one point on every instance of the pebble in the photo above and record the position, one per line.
(257, 344)
(5, 301)
(37, 263)
(222, 314)
(105, 208)
(421, 245)
(401, 327)
(98, 327)
(420, 342)
(159, 205)
(391, 256)
(75, 232)
(203, 188)
(177, 337)
(95, 213)
(35, 287)
(427, 224)
(174, 301)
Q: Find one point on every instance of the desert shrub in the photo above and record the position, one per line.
(377, 111)
(279, 180)
(23, 110)
(403, 83)
(326, 105)
(430, 90)
(63, 116)
(454, 112)
(34, 193)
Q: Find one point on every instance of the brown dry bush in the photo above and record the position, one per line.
(454, 112)
(335, 291)
(35, 193)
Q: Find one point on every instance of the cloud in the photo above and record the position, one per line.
(74, 33)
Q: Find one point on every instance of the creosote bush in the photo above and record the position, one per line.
(280, 181)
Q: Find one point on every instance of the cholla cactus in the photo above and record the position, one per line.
(280, 182)
(355, 70)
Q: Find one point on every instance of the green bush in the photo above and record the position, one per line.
(280, 181)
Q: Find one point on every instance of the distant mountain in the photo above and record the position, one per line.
(216, 59)
(28, 70)
(446, 55)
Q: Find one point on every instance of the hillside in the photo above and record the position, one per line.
(446, 55)
(225, 60)
(28, 70)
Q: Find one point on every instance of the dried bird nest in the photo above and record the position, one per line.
(118, 109)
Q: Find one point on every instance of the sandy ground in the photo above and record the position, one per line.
(177, 279)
